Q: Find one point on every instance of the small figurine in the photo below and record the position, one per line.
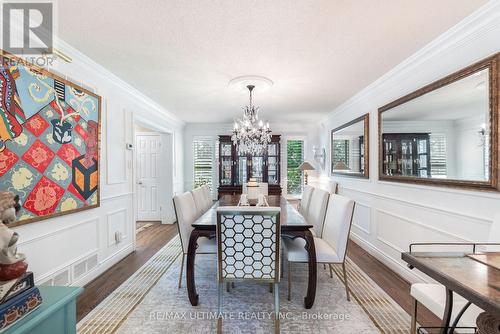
(12, 263)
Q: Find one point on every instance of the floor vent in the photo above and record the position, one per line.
(61, 278)
(81, 268)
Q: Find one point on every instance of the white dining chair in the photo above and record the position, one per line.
(200, 202)
(208, 196)
(306, 199)
(332, 247)
(433, 296)
(248, 248)
(186, 214)
(315, 214)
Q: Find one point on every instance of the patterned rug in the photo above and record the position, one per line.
(150, 302)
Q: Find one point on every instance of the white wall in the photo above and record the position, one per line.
(389, 216)
(213, 130)
(74, 249)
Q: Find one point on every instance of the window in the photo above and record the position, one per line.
(203, 157)
(438, 155)
(340, 151)
(294, 157)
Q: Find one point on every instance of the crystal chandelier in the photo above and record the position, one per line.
(250, 135)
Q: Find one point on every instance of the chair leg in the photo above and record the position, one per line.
(276, 308)
(345, 282)
(331, 270)
(289, 280)
(220, 290)
(182, 269)
(413, 328)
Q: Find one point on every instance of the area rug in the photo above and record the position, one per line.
(150, 302)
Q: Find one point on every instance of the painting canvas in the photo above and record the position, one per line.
(49, 141)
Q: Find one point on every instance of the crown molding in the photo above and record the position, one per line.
(467, 31)
(90, 64)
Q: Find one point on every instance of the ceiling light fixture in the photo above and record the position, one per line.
(250, 135)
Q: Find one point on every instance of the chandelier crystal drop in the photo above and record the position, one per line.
(251, 135)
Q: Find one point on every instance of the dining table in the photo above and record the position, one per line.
(467, 274)
(293, 226)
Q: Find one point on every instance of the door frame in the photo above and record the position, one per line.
(168, 145)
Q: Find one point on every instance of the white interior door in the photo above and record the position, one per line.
(148, 149)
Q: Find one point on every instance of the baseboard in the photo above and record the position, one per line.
(401, 270)
(104, 265)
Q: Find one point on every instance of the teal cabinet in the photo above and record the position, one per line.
(56, 314)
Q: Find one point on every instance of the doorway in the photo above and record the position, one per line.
(153, 178)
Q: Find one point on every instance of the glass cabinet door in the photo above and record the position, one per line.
(241, 170)
(273, 163)
(407, 157)
(226, 170)
(226, 163)
(258, 168)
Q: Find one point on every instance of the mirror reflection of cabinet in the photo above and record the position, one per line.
(446, 133)
(406, 154)
(235, 169)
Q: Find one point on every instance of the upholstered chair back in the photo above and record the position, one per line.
(332, 187)
(306, 199)
(199, 196)
(208, 196)
(317, 210)
(186, 213)
(338, 223)
(263, 188)
(248, 243)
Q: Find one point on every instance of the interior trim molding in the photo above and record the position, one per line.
(103, 266)
(481, 220)
(413, 222)
(399, 268)
(109, 168)
(61, 230)
(108, 230)
(479, 22)
(92, 66)
(65, 267)
(369, 220)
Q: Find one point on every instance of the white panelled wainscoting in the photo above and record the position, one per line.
(390, 216)
(74, 249)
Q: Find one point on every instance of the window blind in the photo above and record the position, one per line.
(203, 156)
(438, 155)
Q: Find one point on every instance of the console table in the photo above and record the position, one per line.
(56, 314)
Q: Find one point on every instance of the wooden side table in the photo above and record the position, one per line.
(56, 314)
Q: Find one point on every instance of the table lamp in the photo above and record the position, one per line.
(304, 167)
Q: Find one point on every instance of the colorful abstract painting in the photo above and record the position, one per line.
(49, 141)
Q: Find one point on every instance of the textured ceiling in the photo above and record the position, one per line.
(182, 53)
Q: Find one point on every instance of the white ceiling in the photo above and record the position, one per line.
(182, 53)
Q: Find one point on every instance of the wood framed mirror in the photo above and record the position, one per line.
(446, 133)
(350, 148)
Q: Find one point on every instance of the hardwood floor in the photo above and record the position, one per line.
(149, 241)
(393, 284)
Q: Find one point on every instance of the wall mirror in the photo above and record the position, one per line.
(445, 133)
(350, 148)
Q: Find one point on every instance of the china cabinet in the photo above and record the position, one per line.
(235, 169)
